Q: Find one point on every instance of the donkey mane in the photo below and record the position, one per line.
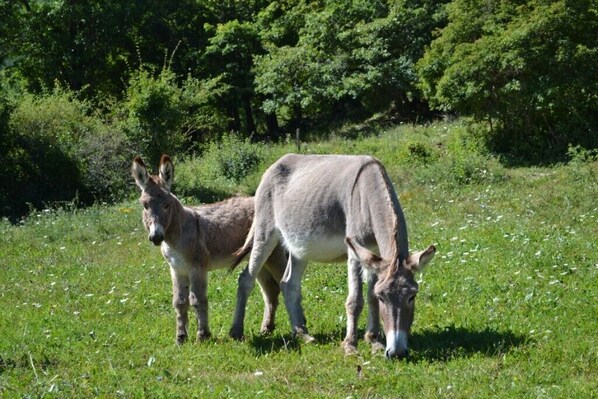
(394, 248)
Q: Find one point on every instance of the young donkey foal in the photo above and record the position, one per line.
(323, 208)
(195, 240)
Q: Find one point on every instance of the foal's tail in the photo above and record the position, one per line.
(242, 252)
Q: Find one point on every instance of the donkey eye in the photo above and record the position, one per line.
(166, 206)
(411, 299)
(145, 205)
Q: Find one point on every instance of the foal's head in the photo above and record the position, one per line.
(158, 203)
(395, 289)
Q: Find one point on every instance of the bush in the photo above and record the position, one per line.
(105, 156)
(53, 149)
(154, 114)
(417, 152)
(45, 132)
(223, 168)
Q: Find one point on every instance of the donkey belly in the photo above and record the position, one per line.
(326, 249)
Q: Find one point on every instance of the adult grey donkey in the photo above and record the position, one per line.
(324, 208)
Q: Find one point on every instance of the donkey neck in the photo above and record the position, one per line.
(388, 222)
(180, 221)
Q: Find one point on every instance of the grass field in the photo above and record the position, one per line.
(507, 309)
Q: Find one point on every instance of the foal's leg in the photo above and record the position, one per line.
(291, 289)
(373, 332)
(199, 300)
(354, 303)
(262, 248)
(180, 302)
(270, 290)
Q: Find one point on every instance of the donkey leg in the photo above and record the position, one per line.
(373, 331)
(291, 289)
(270, 290)
(269, 279)
(261, 250)
(198, 298)
(180, 302)
(354, 304)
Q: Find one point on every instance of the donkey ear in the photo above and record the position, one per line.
(370, 260)
(166, 172)
(139, 172)
(418, 260)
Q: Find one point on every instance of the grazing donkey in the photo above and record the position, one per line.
(196, 240)
(323, 208)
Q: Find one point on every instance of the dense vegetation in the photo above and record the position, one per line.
(86, 85)
(507, 309)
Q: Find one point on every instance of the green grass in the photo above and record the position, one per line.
(508, 308)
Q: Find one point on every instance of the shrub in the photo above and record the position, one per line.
(45, 132)
(223, 169)
(55, 150)
(105, 156)
(154, 116)
(416, 152)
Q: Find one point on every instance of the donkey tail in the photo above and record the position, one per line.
(242, 252)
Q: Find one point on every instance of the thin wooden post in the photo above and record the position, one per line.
(297, 140)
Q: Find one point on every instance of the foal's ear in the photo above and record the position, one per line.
(166, 172)
(418, 260)
(139, 172)
(370, 260)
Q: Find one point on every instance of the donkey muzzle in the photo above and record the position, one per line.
(396, 345)
(397, 354)
(156, 239)
(156, 234)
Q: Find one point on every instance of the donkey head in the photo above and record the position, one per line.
(155, 197)
(395, 289)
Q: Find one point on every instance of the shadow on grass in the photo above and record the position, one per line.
(263, 344)
(440, 345)
(452, 342)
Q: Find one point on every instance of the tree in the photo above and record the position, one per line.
(229, 57)
(93, 45)
(527, 69)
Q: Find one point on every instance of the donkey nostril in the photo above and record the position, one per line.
(394, 354)
(156, 239)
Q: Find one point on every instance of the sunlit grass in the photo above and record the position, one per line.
(508, 307)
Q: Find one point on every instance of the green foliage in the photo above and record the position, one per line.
(238, 160)
(225, 167)
(346, 53)
(584, 164)
(154, 114)
(524, 69)
(85, 46)
(204, 118)
(45, 132)
(54, 150)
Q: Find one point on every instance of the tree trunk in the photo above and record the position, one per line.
(273, 130)
(249, 121)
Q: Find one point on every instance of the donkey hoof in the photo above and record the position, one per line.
(377, 347)
(181, 338)
(236, 334)
(203, 335)
(308, 339)
(266, 331)
(350, 349)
